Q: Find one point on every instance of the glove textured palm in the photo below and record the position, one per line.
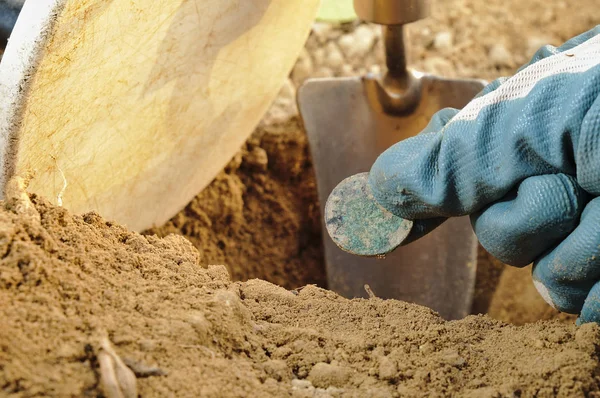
(523, 160)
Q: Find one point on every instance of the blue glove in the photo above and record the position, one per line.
(523, 160)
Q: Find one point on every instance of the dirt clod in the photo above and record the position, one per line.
(324, 375)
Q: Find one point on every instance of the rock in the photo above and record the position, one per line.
(303, 68)
(364, 40)
(302, 384)
(200, 324)
(335, 392)
(276, 115)
(500, 56)
(346, 43)
(231, 303)
(452, 358)
(321, 393)
(424, 36)
(483, 392)
(257, 159)
(319, 57)
(359, 43)
(147, 345)
(287, 92)
(322, 31)
(443, 41)
(283, 109)
(325, 375)
(334, 58)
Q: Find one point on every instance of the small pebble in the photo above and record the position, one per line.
(321, 393)
(443, 41)
(301, 384)
(335, 392)
(200, 324)
(334, 58)
(147, 345)
(325, 375)
(453, 359)
(303, 68)
(319, 57)
(346, 43)
(365, 38)
(358, 44)
(500, 56)
(322, 31)
(287, 91)
(257, 158)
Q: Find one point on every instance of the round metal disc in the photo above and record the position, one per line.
(358, 224)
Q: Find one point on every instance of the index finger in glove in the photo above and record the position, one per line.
(566, 275)
(529, 125)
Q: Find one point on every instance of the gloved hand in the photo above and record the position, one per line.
(523, 160)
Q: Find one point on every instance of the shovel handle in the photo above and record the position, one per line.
(391, 12)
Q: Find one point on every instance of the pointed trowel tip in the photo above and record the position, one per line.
(358, 224)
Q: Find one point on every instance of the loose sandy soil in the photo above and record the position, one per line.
(70, 283)
(75, 288)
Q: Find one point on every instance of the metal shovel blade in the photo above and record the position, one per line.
(347, 131)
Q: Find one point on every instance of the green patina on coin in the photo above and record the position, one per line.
(358, 224)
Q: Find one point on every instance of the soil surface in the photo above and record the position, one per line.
(85, 303)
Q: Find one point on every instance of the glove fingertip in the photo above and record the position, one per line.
(591, 307)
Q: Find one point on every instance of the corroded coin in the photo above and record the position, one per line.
(358, 224)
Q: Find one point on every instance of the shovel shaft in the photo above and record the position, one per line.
(395, 56)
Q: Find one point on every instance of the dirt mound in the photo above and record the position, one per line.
(187, 330)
